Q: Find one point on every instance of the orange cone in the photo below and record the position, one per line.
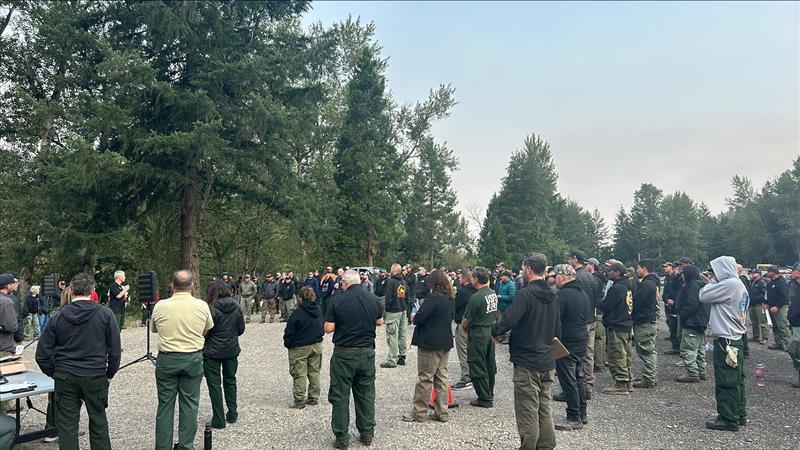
(450, 402)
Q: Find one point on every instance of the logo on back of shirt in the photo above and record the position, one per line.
(491, 302)
(629, 302)
(401, 292)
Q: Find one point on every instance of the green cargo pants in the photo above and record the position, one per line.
(758, 317)
(600, 344)
(619, 355)
(352, 369)
(120, 320)
(304, 365)
(644, 334)
(729, 383)
(588, 358)
(461, 340)
(178, 375)
(794, 347)
(532, 394)
(246, 305)
(217, 384)
(482, 364)
(780, 327)
(71, 391)
(693, 352)
(396, 336)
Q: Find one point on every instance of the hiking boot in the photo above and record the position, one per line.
(413, 417)
(619, 388)
(588, 395)
(721, 424)
(341, 445)
(743, 422)
(644, 384)
(559, 397)
(687, 379)
(312, 402)
(401, 360)
(796, 383)
(443, 419)
(480, 404)
(702, 378)
(298, 405)
(462, 385)
(365, 440)
(775, 347)
(672, 351)
(568, 425)
(388, 366)
(585, 419)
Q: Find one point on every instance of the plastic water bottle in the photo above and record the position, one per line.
(761, 372)
(709, 347)
(207, 437)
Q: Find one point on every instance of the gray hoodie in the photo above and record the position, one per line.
(728, 299)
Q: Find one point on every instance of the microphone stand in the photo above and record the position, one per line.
(147, 356)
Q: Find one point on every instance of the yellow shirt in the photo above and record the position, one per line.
(181, 322)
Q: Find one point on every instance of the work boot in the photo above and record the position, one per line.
(796, 383)
(559, 397)
(413, 417)
(687, 379)
(480, 404)
(298, 405)
(644, 384)
(341, 445)
(401, 360)
(584, 419)
(721, 424)
(388, 366)
(568, 425)
(462, 385)
(672, 351)
(619, 388)
(703, 378)
(365, 440)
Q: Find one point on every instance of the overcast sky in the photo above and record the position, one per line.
(682, 95)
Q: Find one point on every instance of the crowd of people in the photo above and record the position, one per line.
(569, 321)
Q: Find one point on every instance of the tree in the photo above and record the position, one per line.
(492, 246)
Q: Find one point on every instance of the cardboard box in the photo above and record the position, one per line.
(12, 367)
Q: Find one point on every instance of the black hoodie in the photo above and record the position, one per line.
(82, 340)
(304, 326)
(693, 314)
(573, 308)
(616, 306)
(222, 341)
(396, 294)
(645, 300)
(534, 321)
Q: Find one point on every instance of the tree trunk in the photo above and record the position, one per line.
(190, 218)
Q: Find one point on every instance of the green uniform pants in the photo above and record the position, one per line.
(246, 304)
(644, 335)
(395, 335)
(673, 323)
(352, 369)
(120, 316)
(178, 375)
(32, 328)
(758, 317)
(288, 307)
(304, 365)
(780, 327)
(71, 391)
(217, 385)
(532, 390)
(588, 357)
(461, 349)
(729, 383)
(693, 352)
(794, 347)
(600, 344)
(482, 364)
(619, 355)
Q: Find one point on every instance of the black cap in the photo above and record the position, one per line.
(796, 266)
(616, 267)
(577, 254)
(773, 269)
(685, 260)
(6, 279)
(755, 271)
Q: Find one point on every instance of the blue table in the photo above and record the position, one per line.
(44, 385)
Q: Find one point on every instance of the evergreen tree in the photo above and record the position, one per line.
(492, 245)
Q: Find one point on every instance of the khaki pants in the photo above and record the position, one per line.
(620, 355)
(693, 352)
(644, 334)
(758, 317)
(780, 327)
(432, 373)
(395, 336)
(588, 358)
(532, 408)
(304, 365)
(461, 349)
(268, 305)
(600, 344)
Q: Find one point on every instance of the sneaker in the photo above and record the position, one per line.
(401, 360)
(413, 417)
(462, 385)
(559, 397)
(680, 364)
(480, 404)
(388, 366)
(585, 420)
(298, 405)
(618, 389)
(50, 439)
(568, 425)
(644, 384)
(688, 379)
(312, 402)
(439, 418)
(721, 424)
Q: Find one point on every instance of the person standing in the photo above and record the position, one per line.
(421, 288)
(81, 351)
(32, 303)
(587, 283)
(221, 353)
(366, 283)
(303, 337)
(118, 297)
(352, 318)
(247, 294)
(288, 291)
(312, 282)
(9, 324)
(479, 318)
(694, 321)
(672, 285)
(326, 288)
(616, 307)
(433, 336)
(396, 293)
(778, 302)
(181, 322)
(758, 312)
(268, 292)
(644, 315)
(573, 308)
(728, 300)
(794, 320)
(463, 294)
(506, 290)
(593, 267)
(533, 319)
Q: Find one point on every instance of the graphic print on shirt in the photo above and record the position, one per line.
(629, 301)
(491, 303)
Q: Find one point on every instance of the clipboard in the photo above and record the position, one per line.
(560, 350)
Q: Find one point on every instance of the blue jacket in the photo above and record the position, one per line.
(506, 291)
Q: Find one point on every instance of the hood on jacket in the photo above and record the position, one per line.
(312, 308)
(79, 312)
(542, 291)
(226, 305)
(690, 273)
(652, 276)
(724, 267)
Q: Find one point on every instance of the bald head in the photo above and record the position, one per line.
(182, 280)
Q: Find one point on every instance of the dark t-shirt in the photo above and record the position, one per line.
(354, 312)
(482, 308)
(117, 304)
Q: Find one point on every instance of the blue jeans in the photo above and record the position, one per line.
(43, 320)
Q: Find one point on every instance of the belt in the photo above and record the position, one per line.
(179, 353)
(348, 347)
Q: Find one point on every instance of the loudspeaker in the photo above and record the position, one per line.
(148, 286)
(49, 285)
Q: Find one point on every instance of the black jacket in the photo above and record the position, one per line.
(572, 307)
(304, 327)
(778, 292)
(534, 322)
(693, 314)
(82, 340)
(421, 289)
(380, 286)
(758, 292)
(588, 285)
(672, 285)
(462, 297)
(288, 290)
(434, 329)
(395, 288)
(645, 301)
(794, 307)
(222, 341)
(615, 306)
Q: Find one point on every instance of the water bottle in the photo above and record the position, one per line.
(761, 371)
(709, 347)
(207, 437)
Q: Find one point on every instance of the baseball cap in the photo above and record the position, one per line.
(667, 264)
(685, 260)
(616, 267)
(773, 269)
(564, 269)
(6, 278)
(577, 254)
(795, 266)
(593, 261)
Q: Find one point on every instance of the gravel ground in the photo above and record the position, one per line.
(669, 416)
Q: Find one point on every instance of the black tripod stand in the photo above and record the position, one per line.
(148, 356)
